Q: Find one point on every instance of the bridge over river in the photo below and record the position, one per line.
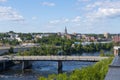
(25, 60)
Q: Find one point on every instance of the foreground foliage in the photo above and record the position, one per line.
(95, 72)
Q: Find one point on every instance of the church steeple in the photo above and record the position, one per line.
(65, 30)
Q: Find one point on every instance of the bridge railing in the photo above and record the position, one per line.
(53, 58)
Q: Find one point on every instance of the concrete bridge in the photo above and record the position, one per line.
(52, 58)
(25, 60)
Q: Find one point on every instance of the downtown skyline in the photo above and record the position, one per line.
(80, 16)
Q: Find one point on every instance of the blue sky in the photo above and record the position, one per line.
(81, 16)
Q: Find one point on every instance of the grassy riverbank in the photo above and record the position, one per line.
(94, 72)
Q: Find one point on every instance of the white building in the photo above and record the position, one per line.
(19, 39)
(116, 50)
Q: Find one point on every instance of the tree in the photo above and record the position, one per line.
(11, 50)
(42, 78)
(102, 53)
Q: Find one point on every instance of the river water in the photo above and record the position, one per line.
(43, 68)
(40, 68)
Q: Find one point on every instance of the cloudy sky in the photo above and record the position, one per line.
(82, 16)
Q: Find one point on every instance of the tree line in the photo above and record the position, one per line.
(66, 49)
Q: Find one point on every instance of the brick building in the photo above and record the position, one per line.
(116, 38)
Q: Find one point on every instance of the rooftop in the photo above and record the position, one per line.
(114, 70)
(116, 47)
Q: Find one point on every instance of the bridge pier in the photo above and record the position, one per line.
(23, 65)
(4, 65)
(26, 64)
(60, 67)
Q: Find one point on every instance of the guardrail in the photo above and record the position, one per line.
(53, 58)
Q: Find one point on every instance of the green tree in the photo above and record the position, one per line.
(102, 53)
(11, 50)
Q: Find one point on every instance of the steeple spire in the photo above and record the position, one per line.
(65, 30)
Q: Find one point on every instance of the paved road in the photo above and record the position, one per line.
(5, 47)
(15, 48)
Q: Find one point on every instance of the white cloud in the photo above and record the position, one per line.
(92, 6)
(103, 13)
(3, 0)
(103, 4)
(66, 20)
(76, 19)
(8, 13)
(110, 12)
(103, 9)
(48, 4)
(59, 21)
(54, 21)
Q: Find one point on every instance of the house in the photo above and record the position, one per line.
(78, 37)
(68, 36)
(14, 36)
(106, 35)
(18, 39)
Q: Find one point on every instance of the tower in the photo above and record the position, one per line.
(65, 30)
